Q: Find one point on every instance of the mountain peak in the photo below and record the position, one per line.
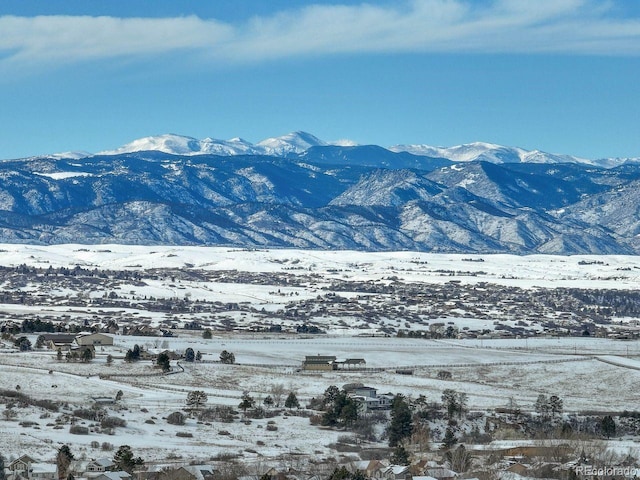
(295, 142)
(167, 143)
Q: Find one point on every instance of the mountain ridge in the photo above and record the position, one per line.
(328, 197)
(299, 142)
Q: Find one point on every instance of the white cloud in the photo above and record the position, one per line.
(507, 26)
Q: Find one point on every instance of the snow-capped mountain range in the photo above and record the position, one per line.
(299, 142)
(301, 192)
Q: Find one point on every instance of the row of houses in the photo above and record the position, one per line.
(27, 468)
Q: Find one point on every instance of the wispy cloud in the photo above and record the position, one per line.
(505, 26)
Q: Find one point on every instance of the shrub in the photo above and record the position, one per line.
(78, 430)
(272, 428)
(257, 412)
(86, 413)
(176, 418)
(221, 413)
(315, 420)
(95, 444)
(112, 422)
(46, 404)
(184, 434)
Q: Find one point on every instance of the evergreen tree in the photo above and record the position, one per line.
(330, 395)
(189, 355)
(124, 459)
(340, 409)
(401, 421)
(2, 475)
(608, 426)
(400, 456)
(343, 474)
(206, 334)
(86, 355)
(292, 401)
(268, 401)
(163, 362)
(63, 461)
(196, 398)
(348, 412)
(246, 402)
(542, 406)
(136, 352)
(555, 405)
(198, 356)
(449, 439)
(133, 355)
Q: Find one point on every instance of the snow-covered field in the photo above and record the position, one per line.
(588, 373)
(612, 271)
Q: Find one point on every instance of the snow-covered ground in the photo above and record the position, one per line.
(588, 373)
(610, 271)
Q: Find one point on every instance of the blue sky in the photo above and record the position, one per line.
(556, 75)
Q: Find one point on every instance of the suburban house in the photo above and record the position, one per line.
(185, 472)
(90, 468)
(320, 363)
(441, 473)
(28, 468)
(120, 475)
(62, 341)
(397, 472)
(21, 464)
(372, 469)
(84, 339)
(368, 398)
(43, 471)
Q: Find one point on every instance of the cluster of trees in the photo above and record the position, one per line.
(22, 343)
(191, 356)
(123, 459)
(227, 357)
(340, 410)
(548, 408)
(454, 402)
(133, 354)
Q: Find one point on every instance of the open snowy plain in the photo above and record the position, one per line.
(587, 373)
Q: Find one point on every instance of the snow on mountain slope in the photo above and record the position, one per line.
(489, 152)
(182, 145)
(296, 142)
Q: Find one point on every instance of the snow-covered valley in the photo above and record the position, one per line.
(498, 354)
